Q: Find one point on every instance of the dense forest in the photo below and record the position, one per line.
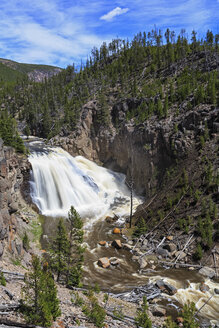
(161, 71)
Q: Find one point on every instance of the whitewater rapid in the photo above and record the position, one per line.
(60, 181)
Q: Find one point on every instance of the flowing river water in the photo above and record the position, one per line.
(60, 180)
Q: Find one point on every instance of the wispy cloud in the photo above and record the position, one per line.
(113, 13)
(60, 32)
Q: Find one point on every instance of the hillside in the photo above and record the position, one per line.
(148, 108)
(10, 71)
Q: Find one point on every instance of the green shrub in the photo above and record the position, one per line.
(2, 279)
(76, 299)
(141, 228)
(198, 253)
(26, 242)
(94, 312)
(141, 319)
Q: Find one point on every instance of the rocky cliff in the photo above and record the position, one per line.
(12, 171)
(144, 151)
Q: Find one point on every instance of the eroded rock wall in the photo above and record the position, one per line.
(143, 152)
(12, 168)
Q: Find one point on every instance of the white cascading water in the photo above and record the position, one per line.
(60, 180)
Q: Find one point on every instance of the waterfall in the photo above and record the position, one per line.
(60, 180)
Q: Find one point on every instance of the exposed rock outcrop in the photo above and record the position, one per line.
(144, 151)
(12, 168)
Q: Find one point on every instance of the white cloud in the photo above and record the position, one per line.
(43, 33)
(113, 13)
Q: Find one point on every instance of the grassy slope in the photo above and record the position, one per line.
(8, 74)
(11, 70)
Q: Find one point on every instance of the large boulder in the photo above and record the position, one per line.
(116, 230)
(158, 311)
(163, 252)
(180, 255)
(166, 287)
(207, 272)
(117, 244)
(171, 247)
(104, 262)
(142, 262)
(102, 243)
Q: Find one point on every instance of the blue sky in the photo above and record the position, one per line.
(60, 32)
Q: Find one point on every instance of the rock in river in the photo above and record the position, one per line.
(207, 272)
(117, 244)
(116, 230)
(104, 262)
(102, 243)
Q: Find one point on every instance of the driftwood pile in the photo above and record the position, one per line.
(150, 290)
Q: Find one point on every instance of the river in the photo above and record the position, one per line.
(60, 180)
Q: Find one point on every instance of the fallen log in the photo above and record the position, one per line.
(12, 273)
(181, 264)
(215, 265)
(10, 323)
(128, 320)
(9, 307)
(7, 292)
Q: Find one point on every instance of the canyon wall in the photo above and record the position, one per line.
(144, 151)
(13, 167)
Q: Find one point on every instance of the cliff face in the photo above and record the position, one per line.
(143, 152)
(12, 169)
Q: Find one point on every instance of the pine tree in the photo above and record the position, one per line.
(166, 106)
(142, 320)
(159, 109)
(40, 304)
(59, 250)
(75, 256)
(51, 294)
(141, 227)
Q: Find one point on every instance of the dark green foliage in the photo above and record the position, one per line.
(9, 74)
(40, 304)
(9, 133)
(197, 195)
(66, 251)
(141, 228)
(198, 253)
(75, 255)
(27, 131)
(95, 312)
(26, 242)
(188, 316)
(141, 319)
(76, 299)
(130, 69)
(2, 279)
(205, 230)
(59, 250)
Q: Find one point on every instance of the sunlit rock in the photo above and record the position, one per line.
(117, 244)
(116, 230)
(104, 262)
(102, 243)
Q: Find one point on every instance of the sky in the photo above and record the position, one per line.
(63, 32)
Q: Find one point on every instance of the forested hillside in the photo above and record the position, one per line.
(148, 108)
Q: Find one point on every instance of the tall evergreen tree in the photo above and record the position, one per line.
(40, 302)
(59, 250)
(75, 257)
